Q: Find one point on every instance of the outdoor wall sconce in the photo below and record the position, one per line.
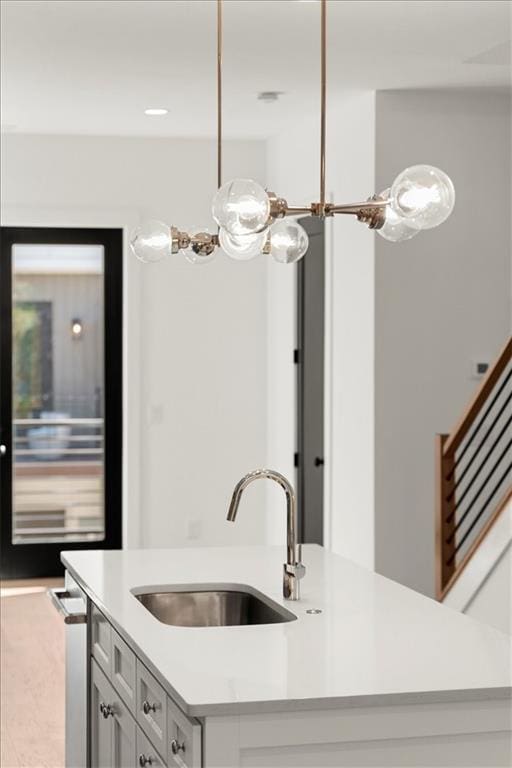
(77, 328)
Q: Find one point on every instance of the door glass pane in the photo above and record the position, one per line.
(58, 387)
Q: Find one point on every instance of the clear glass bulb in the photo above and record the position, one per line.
(288, 241)
(151, 241)
(196, 256)
(423, 195)
(241, 207)
(242, 247)
(395, 228)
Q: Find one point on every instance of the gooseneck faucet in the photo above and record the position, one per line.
(293, 570)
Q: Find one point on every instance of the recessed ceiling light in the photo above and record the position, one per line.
(156, 111)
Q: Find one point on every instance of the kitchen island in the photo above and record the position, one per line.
(368, 673)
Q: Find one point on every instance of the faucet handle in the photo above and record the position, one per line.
(297, 571)
(292, 574)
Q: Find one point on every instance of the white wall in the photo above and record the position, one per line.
(442, 302)
(293, 172)
(492, 604)
(195, 337)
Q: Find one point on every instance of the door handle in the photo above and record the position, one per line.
(319, 462)
(57, 596)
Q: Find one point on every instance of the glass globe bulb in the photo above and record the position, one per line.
(194, 254)
(396, 229)
(423, 195)
(151, 241)
(242, 247)
(288, 241)
(241, 207)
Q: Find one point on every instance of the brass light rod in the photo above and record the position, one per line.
(323, 93)
(371, 211)
(219, 93)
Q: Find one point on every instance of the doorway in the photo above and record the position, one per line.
(309, 358)
(60, 395)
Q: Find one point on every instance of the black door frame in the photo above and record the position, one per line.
(309, 358)
(41, 560)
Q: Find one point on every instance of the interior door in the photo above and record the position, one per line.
(60, 395)
(309, 357)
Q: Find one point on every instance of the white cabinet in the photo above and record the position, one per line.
(124, 745)
(133, 722)
(113, 741)
(146, 753)
(152, 708)
(416, 735)
(113, 730)
(183, 737)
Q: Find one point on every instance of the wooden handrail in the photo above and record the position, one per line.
(484, 390)
(447, 464)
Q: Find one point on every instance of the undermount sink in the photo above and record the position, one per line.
(212, 606)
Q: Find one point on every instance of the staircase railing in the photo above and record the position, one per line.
(473, 473)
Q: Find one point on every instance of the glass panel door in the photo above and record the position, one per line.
(61, 327)
(58, 403)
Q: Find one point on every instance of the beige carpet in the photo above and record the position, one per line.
(32, 677)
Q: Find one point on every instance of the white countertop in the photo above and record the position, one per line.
(375, 641)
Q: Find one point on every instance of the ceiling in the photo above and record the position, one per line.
(93, 66)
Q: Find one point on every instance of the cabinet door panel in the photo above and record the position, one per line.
(123, 670)
(123, 736)
(101, 640)
(146, 753)
(184, 738)
(101, 730)
(152, 708)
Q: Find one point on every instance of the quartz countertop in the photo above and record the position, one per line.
(375, 642)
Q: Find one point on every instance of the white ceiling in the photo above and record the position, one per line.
(93, 66)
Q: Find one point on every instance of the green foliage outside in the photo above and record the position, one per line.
(27, 373)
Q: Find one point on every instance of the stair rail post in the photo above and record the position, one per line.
(445, 514)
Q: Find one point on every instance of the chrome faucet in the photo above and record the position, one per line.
(293, 570)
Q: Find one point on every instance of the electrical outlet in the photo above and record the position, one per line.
(194, 530)
(155, 414)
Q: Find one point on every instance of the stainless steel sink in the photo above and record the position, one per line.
(216, 606)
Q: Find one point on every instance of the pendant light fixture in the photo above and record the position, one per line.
(251, 220)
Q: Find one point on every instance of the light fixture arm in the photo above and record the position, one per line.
(371, 212)
(375, 203)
